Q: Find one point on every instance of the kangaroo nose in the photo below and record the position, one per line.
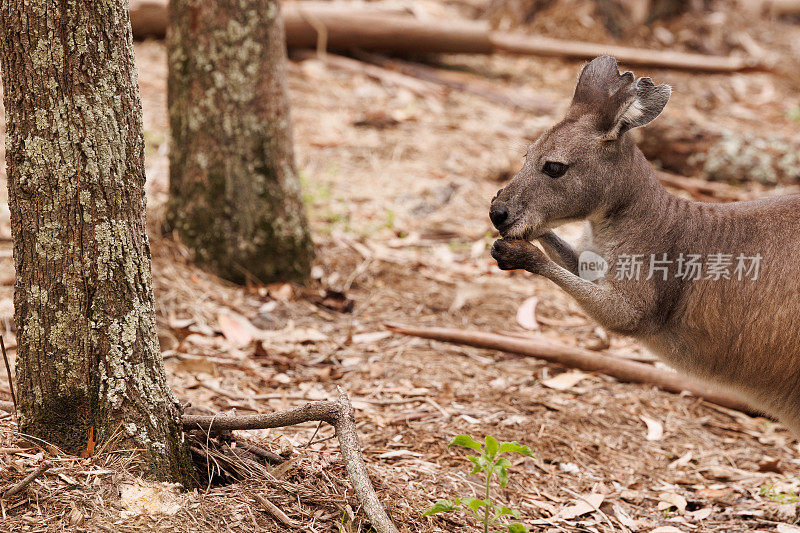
(498, 214)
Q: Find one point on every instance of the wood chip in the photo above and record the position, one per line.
(526, 314)
(565, 381)
(655, 431)
(585, 505)
(236, 328)
(670, 499)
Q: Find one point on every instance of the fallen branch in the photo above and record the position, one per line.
(780, 7)
(149, 17)
(370, 28)
(340, 415)
(27, 480)
(460, 81)
(7, 407)
(384, 75)
(547, 46)
(570, 356)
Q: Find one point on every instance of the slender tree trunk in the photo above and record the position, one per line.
(234, 194)
(89, 364)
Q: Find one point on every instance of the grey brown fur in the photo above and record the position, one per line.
(741, 334)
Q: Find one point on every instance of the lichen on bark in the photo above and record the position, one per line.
(88, 359)
(234, 193)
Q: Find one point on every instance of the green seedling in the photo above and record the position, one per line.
(491, 465)
(769, 492)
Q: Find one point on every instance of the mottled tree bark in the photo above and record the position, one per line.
(88, 362)
(234, 193)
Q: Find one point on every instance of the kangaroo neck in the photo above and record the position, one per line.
(641, 207)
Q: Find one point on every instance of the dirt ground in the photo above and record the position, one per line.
(397, 183)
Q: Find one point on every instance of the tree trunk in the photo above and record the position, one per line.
(234, 193)
(89, 365)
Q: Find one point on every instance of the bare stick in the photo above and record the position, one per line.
(517, 43)
(8, 407)
(8, 373)
(339, 414)
(570, 356)
(44, 465)
(274, 510)
(780, 7)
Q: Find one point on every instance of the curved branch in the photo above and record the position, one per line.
(340, 415)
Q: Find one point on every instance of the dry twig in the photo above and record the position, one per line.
(8, 373)
(27, 480)
(570, 356)
(340, 415)
(274, 510)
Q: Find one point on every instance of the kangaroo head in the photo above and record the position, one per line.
(581, 166)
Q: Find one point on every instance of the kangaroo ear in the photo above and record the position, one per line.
(644, 103)
(619, 102)
(600, 80)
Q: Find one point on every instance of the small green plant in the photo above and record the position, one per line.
(490, 464)
(769, 492)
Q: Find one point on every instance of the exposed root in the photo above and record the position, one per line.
(339, 414)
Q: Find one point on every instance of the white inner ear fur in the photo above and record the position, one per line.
(634, 112)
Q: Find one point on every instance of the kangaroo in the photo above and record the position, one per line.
(712, 289)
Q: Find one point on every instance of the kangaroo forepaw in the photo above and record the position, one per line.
(513, 254)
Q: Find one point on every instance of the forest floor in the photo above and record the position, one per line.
(398, 185)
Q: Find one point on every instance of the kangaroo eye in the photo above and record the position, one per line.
(554, 170)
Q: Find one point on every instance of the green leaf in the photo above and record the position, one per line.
(473, 503)
(466, 441)
(478, 462)
(516, 528)
(442, 506)
(491, 446)
(506, 511)
(502, 475)
(515, 447)
(500, 469)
